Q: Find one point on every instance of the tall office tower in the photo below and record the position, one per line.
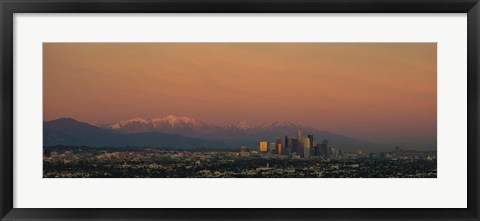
(333, 152)
(300, 148)
(306, 148)
(279, 149)
(294, 145)
(312, 143)
(318, 150)
(286, 142)
(278, 140)
(272, 147)
(300, 143)
(289, 150)
(325, 149)
(299, 136)
(263, 147)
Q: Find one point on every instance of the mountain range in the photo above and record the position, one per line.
(68, 131)
(184, 132)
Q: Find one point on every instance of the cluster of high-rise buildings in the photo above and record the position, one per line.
(303, 146)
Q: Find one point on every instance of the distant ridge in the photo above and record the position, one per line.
(182, 132)
(68, 131)
(187, 125)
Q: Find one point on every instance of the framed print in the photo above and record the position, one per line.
(245, 110)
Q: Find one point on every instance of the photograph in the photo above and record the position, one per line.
(239, 110)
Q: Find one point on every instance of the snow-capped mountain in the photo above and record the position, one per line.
(126, 122)
(282, 126)
(239, 132)
(195, 128)
(155, 130)
(238, 126)
(191, 126)
(174, 121)
(68, 131)
(170, 123)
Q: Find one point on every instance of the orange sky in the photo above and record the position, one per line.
(377, 92)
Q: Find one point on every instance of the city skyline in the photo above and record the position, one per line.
(190, 127)
(376, 92)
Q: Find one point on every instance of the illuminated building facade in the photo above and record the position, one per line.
(306, 148)
(279, 149)
(263, 147)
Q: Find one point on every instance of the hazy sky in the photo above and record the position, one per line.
(376, 92)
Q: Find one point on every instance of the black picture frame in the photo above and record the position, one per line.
(9, 7)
